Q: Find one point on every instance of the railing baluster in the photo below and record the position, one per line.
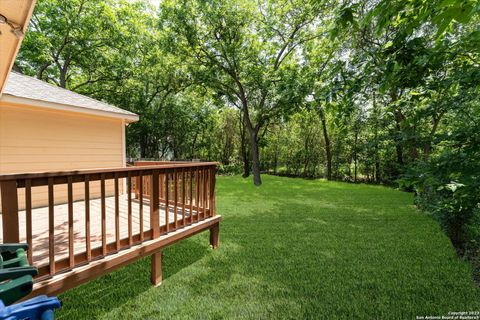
(205, 192)
(104, 222)
(202, 193)
(212, 191)
(162, 187)
(199, 187)
(190, 182)
(175, 195)
(140, 187)
(87, 218)
(51, 227)
(200, 200)
(28, 218)
(167, 191)
(183, 196)
(197, 193)
(129, 199)
(137, 183)
(146, 186)
(155, 205)
(117, 214)
(71, 253)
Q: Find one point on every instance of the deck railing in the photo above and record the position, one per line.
(183, 193)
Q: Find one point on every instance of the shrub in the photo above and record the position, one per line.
(448, 187)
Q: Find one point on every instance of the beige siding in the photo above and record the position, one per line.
(34, 139)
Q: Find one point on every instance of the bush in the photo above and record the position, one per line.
(230, 169)
(448, 187)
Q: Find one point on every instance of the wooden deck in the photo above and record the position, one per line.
(90, 222)
(40, 229)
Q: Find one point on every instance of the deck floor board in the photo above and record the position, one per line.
(40, 225)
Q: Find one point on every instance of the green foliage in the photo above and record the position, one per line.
(448, 186)
(77, 43)
(430, 59)
(410, 16)
(298, 146)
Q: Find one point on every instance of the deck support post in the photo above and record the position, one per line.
(214, 235)
(9, 198)
(156, 271)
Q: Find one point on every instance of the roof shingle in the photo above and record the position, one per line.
(23, 86)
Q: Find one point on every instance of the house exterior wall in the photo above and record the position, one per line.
(38, 140)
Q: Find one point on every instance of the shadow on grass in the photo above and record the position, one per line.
(125, 284)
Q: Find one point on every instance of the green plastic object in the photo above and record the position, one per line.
(13, 255)
(16, 275)
(14, 290)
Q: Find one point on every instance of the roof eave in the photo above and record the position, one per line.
(12, 46)
(129, 118)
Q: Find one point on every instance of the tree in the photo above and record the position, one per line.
(76, 43)
(247, 52)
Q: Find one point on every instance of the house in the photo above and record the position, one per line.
(47, 128)
(44, 127)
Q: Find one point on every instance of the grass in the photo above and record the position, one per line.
(295, 249)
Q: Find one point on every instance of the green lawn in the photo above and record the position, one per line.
(297, 249)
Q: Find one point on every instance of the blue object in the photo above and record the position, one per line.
(38, 308)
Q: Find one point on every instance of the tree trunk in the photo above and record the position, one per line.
(335, 173)
(376, 170)
(355, 160)
(413, 144)
(253, 135)
(275, 162)
(399, 149)
(327, 144)
(64, 70)
(252, 131)
(306, 159)
(246, 162)
(194, 144)
(257, 180)
(398, 145)
(243, 148)
(63, 78)
(175, 152)
(399, 118)
(143, 147)
(428, 143)
(349, 167)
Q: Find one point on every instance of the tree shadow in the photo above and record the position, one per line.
(125, 284)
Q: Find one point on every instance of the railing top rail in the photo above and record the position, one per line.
(165, 162)
(53, 174)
